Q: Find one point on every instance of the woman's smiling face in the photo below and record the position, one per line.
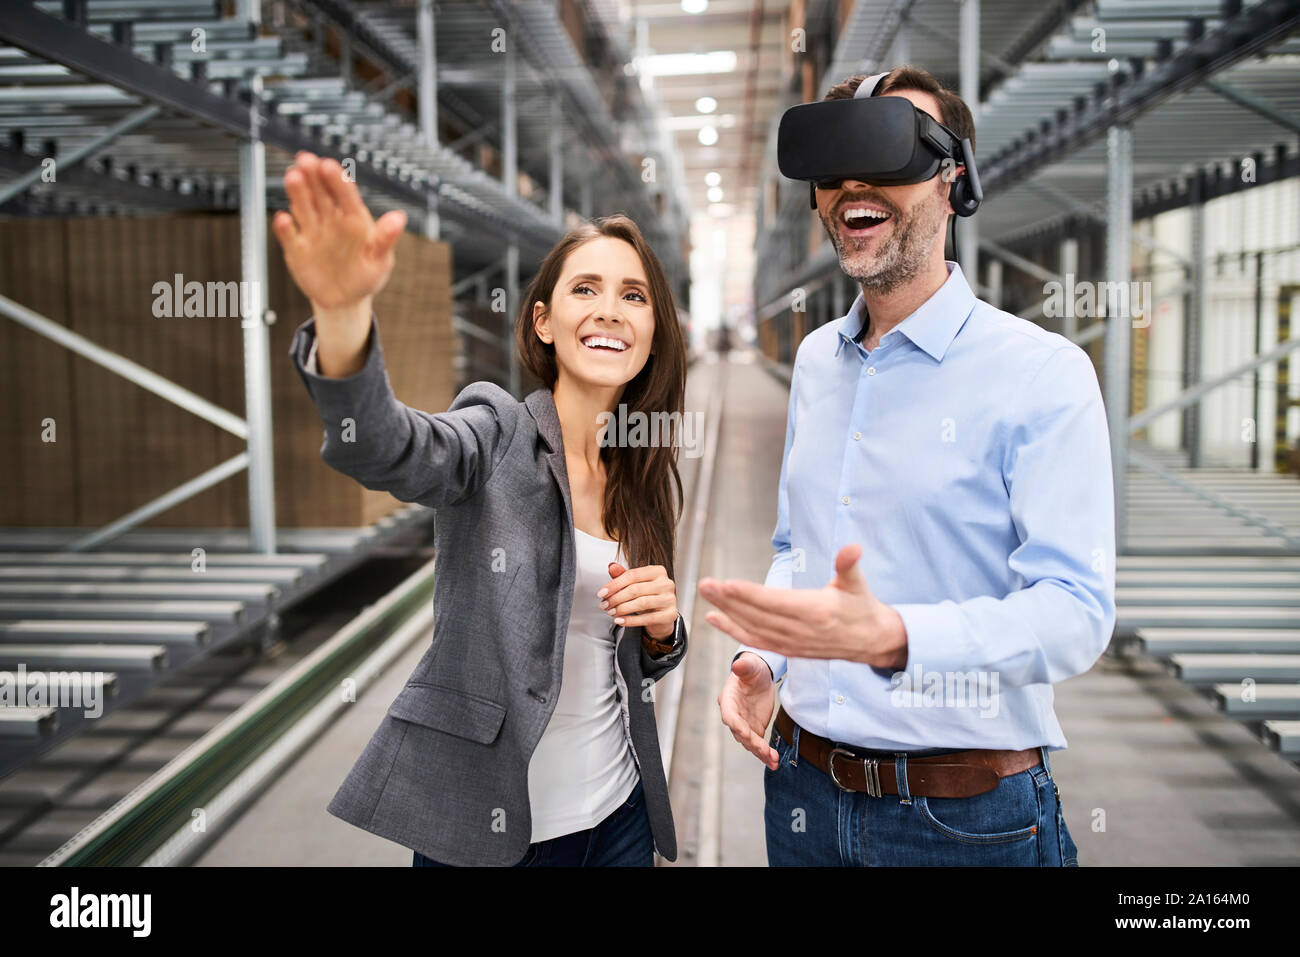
(600, 318)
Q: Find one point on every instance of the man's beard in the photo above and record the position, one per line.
(903, 257)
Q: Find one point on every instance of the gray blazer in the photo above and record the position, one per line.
(446, 773)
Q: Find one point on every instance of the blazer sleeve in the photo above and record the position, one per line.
(655, 668)
(434, 459)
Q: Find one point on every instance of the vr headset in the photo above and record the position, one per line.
(880, 140)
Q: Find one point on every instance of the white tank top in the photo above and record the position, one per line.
(582, 769)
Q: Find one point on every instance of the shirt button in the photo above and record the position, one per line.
(845, 500)
(871, 370)
(857, 436)
(839, 699)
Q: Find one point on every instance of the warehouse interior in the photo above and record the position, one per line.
(1146, 149)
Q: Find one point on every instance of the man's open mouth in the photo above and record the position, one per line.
(859, 221)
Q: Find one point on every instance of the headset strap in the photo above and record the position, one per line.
(868, 86)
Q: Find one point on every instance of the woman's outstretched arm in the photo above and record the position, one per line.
(340, 257)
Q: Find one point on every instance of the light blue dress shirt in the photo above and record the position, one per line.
(968, 455)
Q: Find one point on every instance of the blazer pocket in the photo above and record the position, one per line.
(445, 709)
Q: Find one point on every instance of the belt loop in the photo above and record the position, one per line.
(900, 776)
(1042, 751)
(794, 745)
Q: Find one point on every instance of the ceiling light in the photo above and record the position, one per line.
(684, 64)
(706, 104)
(708, 135)
(713, 178)
(695, 6)
(715, 194)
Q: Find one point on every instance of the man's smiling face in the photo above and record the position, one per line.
(884, 235)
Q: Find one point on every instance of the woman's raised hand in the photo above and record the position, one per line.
(338, 255)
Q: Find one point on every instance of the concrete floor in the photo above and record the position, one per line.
(1153, 775)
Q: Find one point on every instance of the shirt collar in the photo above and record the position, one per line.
(932, 327)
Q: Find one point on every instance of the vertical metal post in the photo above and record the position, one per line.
(510, 170)
(995, 282)
(1119, 227)
(428, 105)
(902, 49)
(345, 58)
(257, 340)
(837, 292)
(557, 162)
(969, 55)
(1259, 340)
(1195, 325)
(1069, 270)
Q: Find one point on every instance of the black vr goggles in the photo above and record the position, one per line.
(880, 140)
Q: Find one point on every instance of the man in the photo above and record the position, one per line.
(944, 554)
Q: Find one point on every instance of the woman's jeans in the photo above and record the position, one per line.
(622, 839)
(810, 821)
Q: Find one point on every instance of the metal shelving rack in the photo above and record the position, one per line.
(154, 106)
(1078, 138)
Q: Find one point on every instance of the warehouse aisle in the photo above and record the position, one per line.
(1153, 775)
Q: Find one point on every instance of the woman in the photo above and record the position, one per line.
(526, 734)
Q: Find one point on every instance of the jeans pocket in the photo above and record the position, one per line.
(1008, 813)
(782, 748)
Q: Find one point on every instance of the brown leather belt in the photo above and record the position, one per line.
(961, 774)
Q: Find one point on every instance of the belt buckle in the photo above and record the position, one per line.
(870, 766)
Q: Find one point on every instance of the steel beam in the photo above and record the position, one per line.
(257, 340)
(510, 171)
(1119, 210)
(969, 56)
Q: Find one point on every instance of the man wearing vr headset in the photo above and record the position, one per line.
(945, 525)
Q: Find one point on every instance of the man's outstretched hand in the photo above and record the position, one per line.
(842, 620)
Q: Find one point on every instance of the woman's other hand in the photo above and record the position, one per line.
(643, 596)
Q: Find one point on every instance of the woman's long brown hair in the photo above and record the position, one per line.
(640, 510)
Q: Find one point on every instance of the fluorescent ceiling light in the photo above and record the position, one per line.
(695, 6)
(706, 104)
(696, 121)
(684, 64)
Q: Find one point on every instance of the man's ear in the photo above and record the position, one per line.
(541, 321)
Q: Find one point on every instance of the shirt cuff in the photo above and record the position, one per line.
(776, 663)
(935, 638)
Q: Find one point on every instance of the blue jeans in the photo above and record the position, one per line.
(622, 839)
(810, 821)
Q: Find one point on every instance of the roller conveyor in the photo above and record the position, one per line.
(122, 632)
(1214, 668)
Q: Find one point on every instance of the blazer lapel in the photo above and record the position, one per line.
(541, 405)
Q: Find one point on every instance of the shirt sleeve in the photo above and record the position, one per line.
(310, 364)
(780, 573)
(1057, 470)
